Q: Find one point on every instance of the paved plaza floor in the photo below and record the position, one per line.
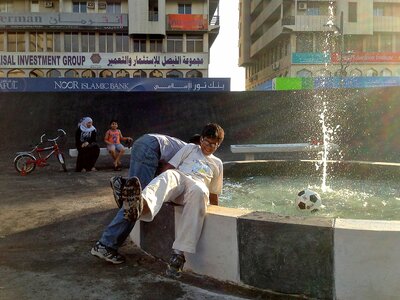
(49, 221)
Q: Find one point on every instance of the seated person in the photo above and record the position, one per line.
(85, 142)
(113, 138)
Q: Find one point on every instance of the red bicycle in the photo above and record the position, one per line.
(26, 162)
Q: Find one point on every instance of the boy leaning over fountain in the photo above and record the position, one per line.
(194, 173)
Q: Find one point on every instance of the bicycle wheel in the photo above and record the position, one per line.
(61, 159)
(24, 163)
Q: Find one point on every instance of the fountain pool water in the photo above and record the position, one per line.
(355, 191)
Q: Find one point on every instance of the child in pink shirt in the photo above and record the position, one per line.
(113, 138)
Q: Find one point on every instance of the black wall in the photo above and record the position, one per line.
(368, 118)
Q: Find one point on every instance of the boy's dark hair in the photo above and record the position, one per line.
(112, 121)
(195, 139)
(214, 131)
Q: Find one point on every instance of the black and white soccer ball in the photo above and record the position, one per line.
(308, 200)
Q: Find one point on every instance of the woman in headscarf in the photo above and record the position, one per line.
(85, 141)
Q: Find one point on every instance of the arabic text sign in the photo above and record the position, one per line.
(114, 84)
(310, 58)
(367, 57)
(186, 22)
(104, 60)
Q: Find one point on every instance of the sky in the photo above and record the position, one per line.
(224, 53)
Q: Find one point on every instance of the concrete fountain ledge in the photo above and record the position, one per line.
(323, 258)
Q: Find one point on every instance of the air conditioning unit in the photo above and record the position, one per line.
(90, 4)
(102, 5)
(48, 4)
(275, 66)
(302, 5)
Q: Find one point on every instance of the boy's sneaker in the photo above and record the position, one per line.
(175, 265)
(132, 200)
(107, 253)
(117, 183)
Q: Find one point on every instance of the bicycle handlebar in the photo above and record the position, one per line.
(55, 139)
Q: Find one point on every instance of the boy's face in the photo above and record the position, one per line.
(208, 145)
(114, 125)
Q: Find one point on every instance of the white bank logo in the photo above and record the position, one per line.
(75, 85)
(8, 84)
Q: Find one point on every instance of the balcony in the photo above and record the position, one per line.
(182, 22)
(305, 23)
(386, 24)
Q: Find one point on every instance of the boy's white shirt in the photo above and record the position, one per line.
(191, 161)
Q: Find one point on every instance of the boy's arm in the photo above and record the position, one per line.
(165, 166)
(122, 137)
(106, 138)
(213, 199)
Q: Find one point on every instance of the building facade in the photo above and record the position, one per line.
(320, 38)
(107, 38)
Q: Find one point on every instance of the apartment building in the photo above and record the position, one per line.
(107, 38)
(320, 38)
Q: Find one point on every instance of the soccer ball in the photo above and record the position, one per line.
(308, 200)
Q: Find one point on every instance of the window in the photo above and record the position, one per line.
(304, 42)
(153, 10)
(352, 12)
(53, 74)
(353, 43)
(16, 42)
(106, 42)
(378, 10)
(194, 74)
(313, 9)
(2, 41)
(16, 73)
(396, 44)
(113, 7)
(6, 6)
(304, 73)
(386, 72)
(88, 41)
(194, 43)
(155, 45)
(372, 73)
(174, 43)
(71, 74)
(53, 42)
(36, 42)
(88, 74)
(185, 9)
(139, 45)
(122, 73)
(79, 7)
(174, 74)
(156, 74)
(35, 6)
(106, 74)
(372, 43)
(121, 42)
(355, 73)
(140, 74)
(323, 73)
(71, 42)
(36, 73)
(341, 73)
(386, 42)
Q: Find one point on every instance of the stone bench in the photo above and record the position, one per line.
(250, 149)
(103, 152)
